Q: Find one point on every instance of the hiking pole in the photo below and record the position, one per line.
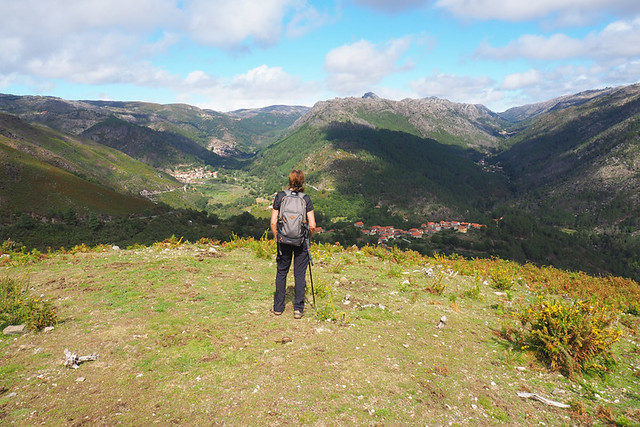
(313, 293)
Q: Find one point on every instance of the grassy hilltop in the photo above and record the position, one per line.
(185, 336)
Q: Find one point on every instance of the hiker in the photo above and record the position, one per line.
(292, 232)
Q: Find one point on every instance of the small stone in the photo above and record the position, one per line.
(80, 379)
(115, 247)
(14, 330)
(212, 250)
(12, 394)
(49, 329)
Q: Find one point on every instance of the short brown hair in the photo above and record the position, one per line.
(296, 180)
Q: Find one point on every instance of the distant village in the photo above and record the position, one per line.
(195, 176)
(386, 233)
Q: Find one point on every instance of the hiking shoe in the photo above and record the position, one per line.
(277, 313)
(297, 314)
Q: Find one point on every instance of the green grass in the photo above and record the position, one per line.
(40, 187)
(185, 336)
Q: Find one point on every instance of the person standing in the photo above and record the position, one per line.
(289, 249)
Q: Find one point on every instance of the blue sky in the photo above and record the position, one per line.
(226, 55)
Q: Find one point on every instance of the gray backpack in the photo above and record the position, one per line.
(292, 219)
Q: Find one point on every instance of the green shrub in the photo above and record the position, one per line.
(571, 337)
(170, 243)
(437, 284)
(17, 307)
(473, 293)
(13, 253)
(634, 308)
(502, 277)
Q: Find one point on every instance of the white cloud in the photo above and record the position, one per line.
(52, 20)
(472, 90)
(9, 79)
(521, 80)
(357, 67)
(564, 80)
(259, 87)
(619, 39)
(563, 11)
(198, 79)
(557, 46)
(230, 24)
(265, 80)
(83, 41)
(306, 20)
(115, 42)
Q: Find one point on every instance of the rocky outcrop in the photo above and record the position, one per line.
(469, 125)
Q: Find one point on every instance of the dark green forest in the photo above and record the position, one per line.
(517, 236)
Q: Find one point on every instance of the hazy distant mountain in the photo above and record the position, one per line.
(159, 134)
(525, 112)
(282, 112)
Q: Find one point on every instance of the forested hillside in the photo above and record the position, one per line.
(582, 162)
(361, 172)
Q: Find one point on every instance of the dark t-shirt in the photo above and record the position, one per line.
(280, 195)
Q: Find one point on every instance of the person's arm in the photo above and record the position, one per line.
(311, 219)
(274, 222)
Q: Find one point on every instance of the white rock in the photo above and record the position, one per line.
(14, 330)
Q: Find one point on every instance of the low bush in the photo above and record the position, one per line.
(571, 337)
(18, 307)
(13, 253)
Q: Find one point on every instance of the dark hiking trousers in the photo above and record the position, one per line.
(300, 258)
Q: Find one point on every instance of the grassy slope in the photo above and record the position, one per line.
(30, 185)
(83, 157)
(185, 336)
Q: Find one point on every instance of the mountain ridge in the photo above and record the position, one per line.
(164, 135)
